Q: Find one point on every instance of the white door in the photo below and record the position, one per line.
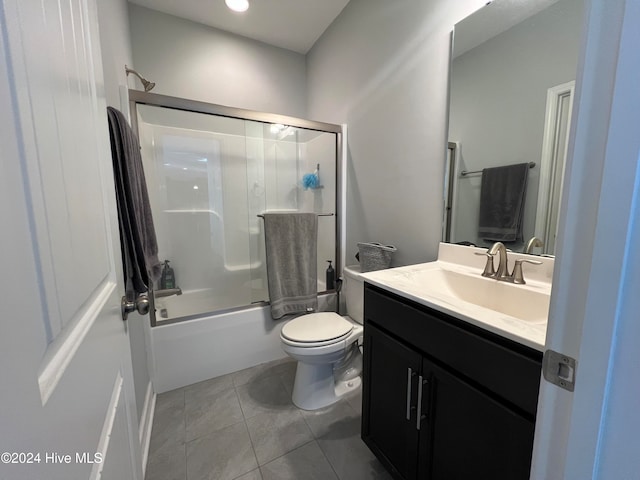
(67, 409)
(593, 432)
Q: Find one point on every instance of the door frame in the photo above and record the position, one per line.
(593, 432)
(552, 153)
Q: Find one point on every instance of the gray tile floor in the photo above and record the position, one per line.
(243, 426)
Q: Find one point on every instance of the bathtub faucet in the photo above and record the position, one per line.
(167, 292)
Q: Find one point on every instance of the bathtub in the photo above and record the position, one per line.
(215, 344)
(196, 303)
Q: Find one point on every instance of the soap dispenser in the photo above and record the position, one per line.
(167, 279)
(330, 277)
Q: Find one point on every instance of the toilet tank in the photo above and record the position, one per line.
(353, 290)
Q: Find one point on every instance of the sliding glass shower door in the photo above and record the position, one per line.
(209, 177)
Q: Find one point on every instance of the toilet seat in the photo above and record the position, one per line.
(319, 341)
(316, 330)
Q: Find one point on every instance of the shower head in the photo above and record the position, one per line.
(148, 86)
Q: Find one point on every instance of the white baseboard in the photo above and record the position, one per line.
(146, 424)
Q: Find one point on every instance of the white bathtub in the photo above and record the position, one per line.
(202, 302)
(216, 344)
(197, 303)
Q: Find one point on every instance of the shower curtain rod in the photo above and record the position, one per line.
(319, 214)
(464, 173)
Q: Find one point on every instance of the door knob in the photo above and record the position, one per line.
(141, 304)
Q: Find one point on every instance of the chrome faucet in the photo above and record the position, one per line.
(503, 265)
(167, 292)
(502, 274)
(499, 249)
(531, 244)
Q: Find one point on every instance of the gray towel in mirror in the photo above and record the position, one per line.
(502, 197)
(291, 250)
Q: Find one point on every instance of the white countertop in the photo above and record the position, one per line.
(405, 281)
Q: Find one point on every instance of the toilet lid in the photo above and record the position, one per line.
(316, 327)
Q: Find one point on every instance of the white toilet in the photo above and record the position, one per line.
(326, 348)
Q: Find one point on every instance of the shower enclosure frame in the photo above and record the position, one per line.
(137, 97)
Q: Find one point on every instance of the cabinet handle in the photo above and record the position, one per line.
(410, 375)
(419, 416)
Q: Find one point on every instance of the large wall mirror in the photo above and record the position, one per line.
(513, 72)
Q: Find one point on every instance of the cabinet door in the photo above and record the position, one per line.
(467, 434)
(389, 401)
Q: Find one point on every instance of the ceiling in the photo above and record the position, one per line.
(291, 24)
(493, 19)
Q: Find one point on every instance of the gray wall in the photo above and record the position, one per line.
(116, 47)
(498, 101)
(382, 68)
(190, 60)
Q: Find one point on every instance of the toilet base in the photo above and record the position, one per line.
(314, 386)
(346, 386)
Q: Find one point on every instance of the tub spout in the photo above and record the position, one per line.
(167, 292)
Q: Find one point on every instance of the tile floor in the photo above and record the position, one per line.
(243, 426)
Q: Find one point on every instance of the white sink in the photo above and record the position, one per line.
(519, 301)
(454, 285)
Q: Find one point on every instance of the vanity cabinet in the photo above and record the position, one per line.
(443, 399)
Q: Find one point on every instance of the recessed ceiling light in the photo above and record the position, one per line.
(237, 5)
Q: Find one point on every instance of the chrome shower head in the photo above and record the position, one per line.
(148, 86)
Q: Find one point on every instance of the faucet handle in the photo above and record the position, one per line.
(489, 270)
(516, 276)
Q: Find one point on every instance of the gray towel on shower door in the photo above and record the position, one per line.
(291, 250)
(502, 196)
(137, 234)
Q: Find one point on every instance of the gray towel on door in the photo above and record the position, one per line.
(291, 249)
(137, 234)
(502, 196)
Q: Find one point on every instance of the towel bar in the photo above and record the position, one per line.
(320, 215)
(464, 173)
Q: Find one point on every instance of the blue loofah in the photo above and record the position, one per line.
(310, 180)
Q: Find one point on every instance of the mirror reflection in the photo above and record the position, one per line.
(512, 82)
